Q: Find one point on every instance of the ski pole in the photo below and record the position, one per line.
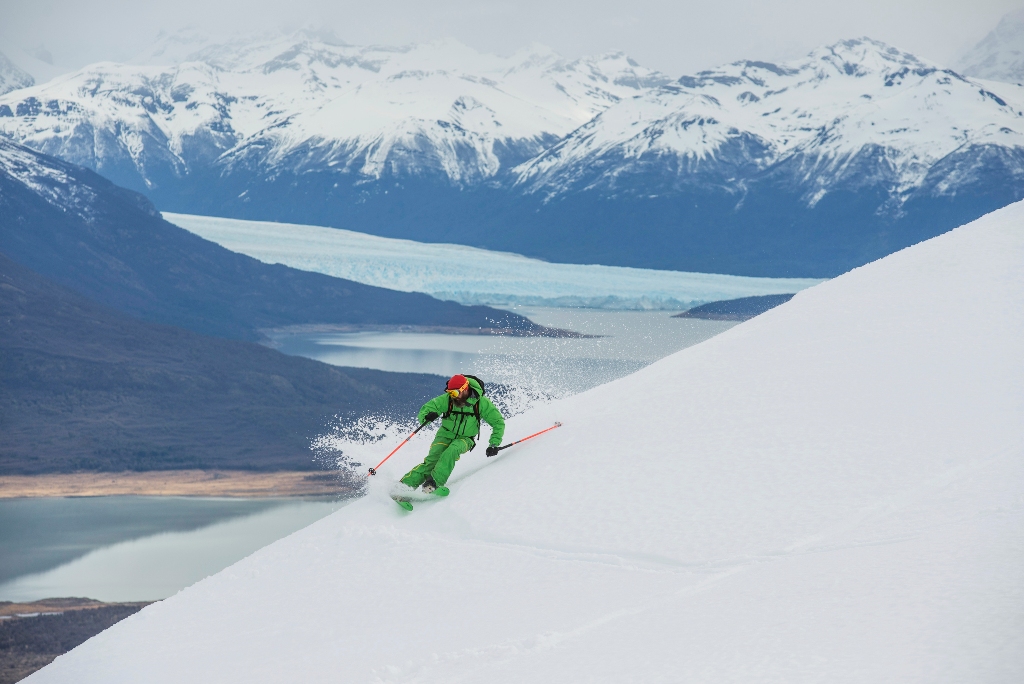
(530, 436)
(373, 471)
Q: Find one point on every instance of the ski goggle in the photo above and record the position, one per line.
(454, 393)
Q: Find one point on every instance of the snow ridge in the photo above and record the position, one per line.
(857, 113)
(854, 114)
(52, 182)
(305, 100)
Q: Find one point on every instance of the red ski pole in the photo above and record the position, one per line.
(530, 436)
(373, 471)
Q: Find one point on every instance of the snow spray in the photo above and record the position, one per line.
(373, 471)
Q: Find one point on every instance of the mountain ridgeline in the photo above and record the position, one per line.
(110, 245)
(807, 168)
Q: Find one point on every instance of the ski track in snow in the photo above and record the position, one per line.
(830, 492)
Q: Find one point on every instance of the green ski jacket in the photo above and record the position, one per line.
(461, 421)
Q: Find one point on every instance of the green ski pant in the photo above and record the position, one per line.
(440, 461)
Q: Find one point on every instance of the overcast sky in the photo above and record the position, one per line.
(675, 37)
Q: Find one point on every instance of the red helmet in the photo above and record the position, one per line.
(458, 384)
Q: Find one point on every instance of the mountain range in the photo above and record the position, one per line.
(303, 101)
(806, 168)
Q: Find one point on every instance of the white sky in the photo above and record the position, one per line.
(676, 37)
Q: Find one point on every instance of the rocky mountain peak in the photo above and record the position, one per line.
(11, 77)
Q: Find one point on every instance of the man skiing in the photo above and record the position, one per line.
(461, 408)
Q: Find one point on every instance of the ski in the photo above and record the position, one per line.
(405, 497)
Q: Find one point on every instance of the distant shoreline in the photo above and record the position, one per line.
(329, 328)
(214, 483)
(33, 634)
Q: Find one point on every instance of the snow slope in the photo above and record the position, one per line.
(830, 492)
(473, 276)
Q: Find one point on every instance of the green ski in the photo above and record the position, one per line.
(405, 500)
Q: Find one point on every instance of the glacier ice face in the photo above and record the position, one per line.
(469, 275)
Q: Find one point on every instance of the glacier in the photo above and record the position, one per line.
(470, 275)
(829, 492)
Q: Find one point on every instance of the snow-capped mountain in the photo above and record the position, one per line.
(801, 169)
(1000, 55)
(809, 167)
(11, 77)
(305, 102)
(855, 114)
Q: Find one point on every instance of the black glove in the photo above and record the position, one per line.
(492, 451)
(430, 417)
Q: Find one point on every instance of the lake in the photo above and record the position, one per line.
(131, 548)
(623, 342)
(146, 548)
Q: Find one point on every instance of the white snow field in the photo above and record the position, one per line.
(470, 275)
(830, 492)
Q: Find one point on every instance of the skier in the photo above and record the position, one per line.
(461, 408)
